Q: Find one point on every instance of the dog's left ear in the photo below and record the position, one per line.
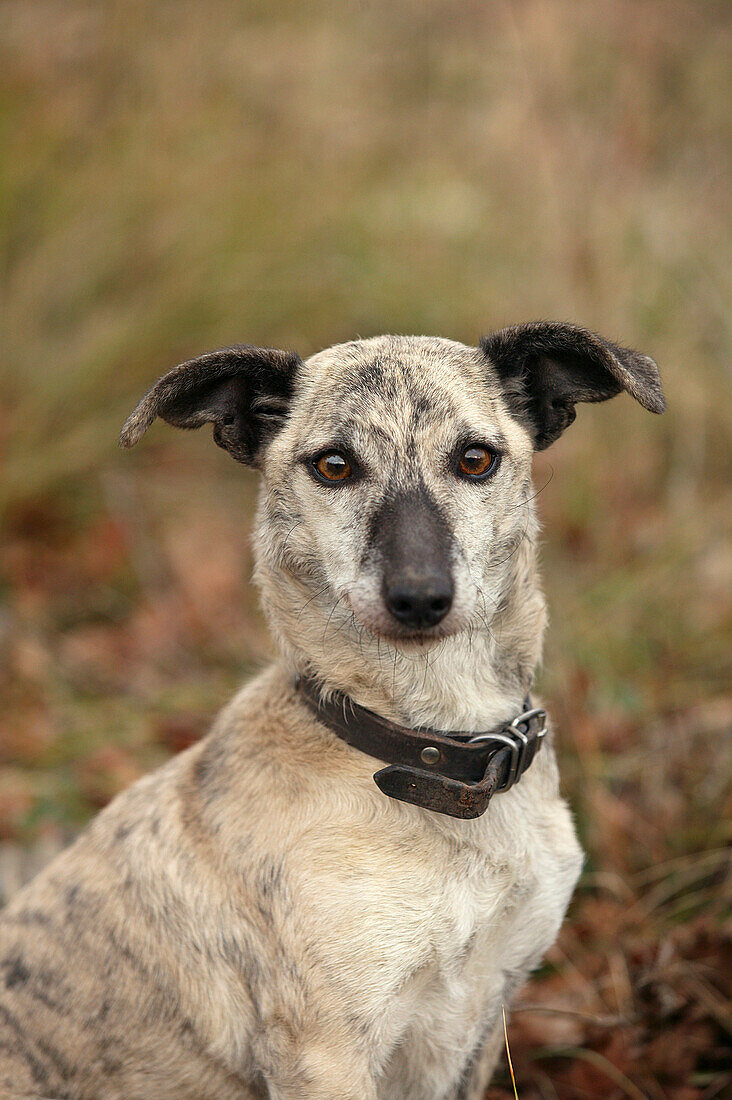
(243, 391)
(547, 366)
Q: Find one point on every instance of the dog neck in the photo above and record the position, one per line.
(468, 681)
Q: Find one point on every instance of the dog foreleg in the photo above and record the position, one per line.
(481, 1070)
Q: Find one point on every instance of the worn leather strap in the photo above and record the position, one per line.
(454, 773)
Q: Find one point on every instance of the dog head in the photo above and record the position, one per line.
(396, 471)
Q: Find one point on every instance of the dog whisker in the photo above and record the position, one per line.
(538, 492)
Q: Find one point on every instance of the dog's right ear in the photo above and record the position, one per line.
(243, 391)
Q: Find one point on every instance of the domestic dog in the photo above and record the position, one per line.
(259, 918)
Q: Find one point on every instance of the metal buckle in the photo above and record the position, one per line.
(505, 739)
(523, 743)
(528, 717)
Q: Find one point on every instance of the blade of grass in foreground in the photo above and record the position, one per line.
(508, 1052)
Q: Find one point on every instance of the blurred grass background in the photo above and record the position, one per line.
(179, 176)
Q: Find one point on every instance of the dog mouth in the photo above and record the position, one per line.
(403, 637)
(419, 639)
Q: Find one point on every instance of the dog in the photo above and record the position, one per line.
(259, 917)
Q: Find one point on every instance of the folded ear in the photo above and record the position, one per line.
(243, 391)
(547, 366)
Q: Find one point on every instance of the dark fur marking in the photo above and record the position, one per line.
(391, 381)
(28, 917)
(270, 878)
(230, 951)
(348, 428)
(192, 1040)
(203, 769)
(71, 895)
(366, 379)
(424, 409)
(59, 1063)
(209, 771)
(38, 994)
(130, 958)
(17, 973)
(82, 907)
(36, 983)
(164, 1006)
(39, 1072)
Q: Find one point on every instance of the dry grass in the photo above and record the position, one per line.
(179, 176)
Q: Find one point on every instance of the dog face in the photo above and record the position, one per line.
(399, 476)
(396, 471)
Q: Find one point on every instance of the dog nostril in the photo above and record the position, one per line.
(441, 605)
(401, 606)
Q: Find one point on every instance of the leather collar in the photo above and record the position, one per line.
(452, 773)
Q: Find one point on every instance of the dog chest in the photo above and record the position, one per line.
(426, 940)
(484, 939)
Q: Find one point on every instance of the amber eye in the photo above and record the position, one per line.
(477, 462)
(333, 466)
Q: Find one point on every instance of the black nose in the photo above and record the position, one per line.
(420, 605)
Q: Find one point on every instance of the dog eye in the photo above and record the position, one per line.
(332, 466)
(477, 462)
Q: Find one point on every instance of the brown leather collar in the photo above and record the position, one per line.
(451, 773)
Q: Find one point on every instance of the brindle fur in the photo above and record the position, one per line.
(255, 919)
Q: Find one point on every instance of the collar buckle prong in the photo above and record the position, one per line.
(522, 739)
